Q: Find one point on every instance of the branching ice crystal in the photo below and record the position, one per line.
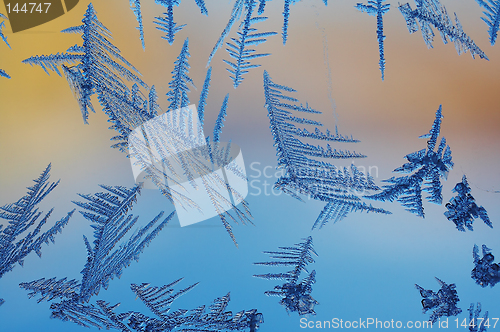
(177, 96)
(4, 38)
(442, 303)
(21, 216)
(432, 13)
(377, 8)
(295, 295)
(108, 213)
(476, 323)
(492, 18)
(95, 67)
(429, 167)
(238, 48)
(462, 209)
(135, 5)
(485, 272)
(305, 175)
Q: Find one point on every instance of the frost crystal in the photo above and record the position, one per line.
(135, 5)
(2, 25)
(377, 8)
(429, 166)
(238, 48)
(477, 324)
(485, 271)
(305, 175)
(462, 209)
(94, 67)
(21, 216)
(442, 303)
(432, 13)
(492, 18)
(177, 96)
(108, 213)
(295, 295)
(166, 23)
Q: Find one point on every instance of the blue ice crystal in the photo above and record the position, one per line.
(485, 272)
(442, 303)
(476, 323)
(462, 209)
(4, 38)
(492, 18)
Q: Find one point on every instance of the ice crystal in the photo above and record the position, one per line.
(238, 47)
(108, 213)
(135, 5)
(377, 8)
(476, 323)
(432, 13)
(95, 67)
(295, 295)
(462, 209)
(492, 18)
(429, 166)
(4, 38)
(177, 96)
(166, 23)
(203, 97)
(307, 176)
(485, 272)
(442, 303)
(21, 216)
(286, 17)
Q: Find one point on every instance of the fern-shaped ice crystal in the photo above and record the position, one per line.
(4, 38)
(238, 47)
(476, 323)
(492, 18)
(108, 213)
(306, 175)
(462, 209)
(15, 240)
(177, 96)
(442, 303)
(485, 272)
(377, 8)
(95, 67)
(428, 165)
(135, 6)
(432, 13)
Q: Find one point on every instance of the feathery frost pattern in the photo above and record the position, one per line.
(95, 67)
(377, 8)
(135, 5)
(238, 48)
(166, 23)
(442, 303)
(108, 213)
(4, 38)
(21, 216)
(429, 167)
(306, 176)
(492, 18)
(177, 96)
(485, 272)
(477, 323)
(295, 295)
(286, 16)
(432, 13)
(462, 209)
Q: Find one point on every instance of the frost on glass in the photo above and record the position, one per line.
(477, 323)
(442, 303)
(107, 211)
(492, 17)
(159, 301)
(304, 174)
(428, 167)
(238, 48)
(135, 6)
(95, 67)
(485, 272)
(177, 96)
(462, 209)
(295, 295)
(4, 38)
(377, 8)
(18, 237)
(431, 13)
